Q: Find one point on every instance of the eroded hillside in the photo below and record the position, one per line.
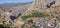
(40, 14)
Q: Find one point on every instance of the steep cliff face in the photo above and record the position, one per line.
(43, 4)
(40, 4)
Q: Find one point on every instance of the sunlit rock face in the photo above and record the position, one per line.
(41, 4)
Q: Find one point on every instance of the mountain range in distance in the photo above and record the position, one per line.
(10, 5)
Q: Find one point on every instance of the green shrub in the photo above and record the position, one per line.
(58, 17)
(1, 26)
(30, 21)
(33, 26)
(24, 26)
(7, 26)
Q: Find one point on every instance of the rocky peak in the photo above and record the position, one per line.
(40, 4)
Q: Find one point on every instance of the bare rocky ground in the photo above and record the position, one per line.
(9, 12)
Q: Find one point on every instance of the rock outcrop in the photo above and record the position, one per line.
(44, 4)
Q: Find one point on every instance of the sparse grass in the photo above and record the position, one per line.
(36, 14)
(39, 14)
(25, 17)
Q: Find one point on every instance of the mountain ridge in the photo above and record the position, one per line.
(6, 5)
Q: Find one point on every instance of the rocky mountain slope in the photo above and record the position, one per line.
(40, 14)
(11, 11)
